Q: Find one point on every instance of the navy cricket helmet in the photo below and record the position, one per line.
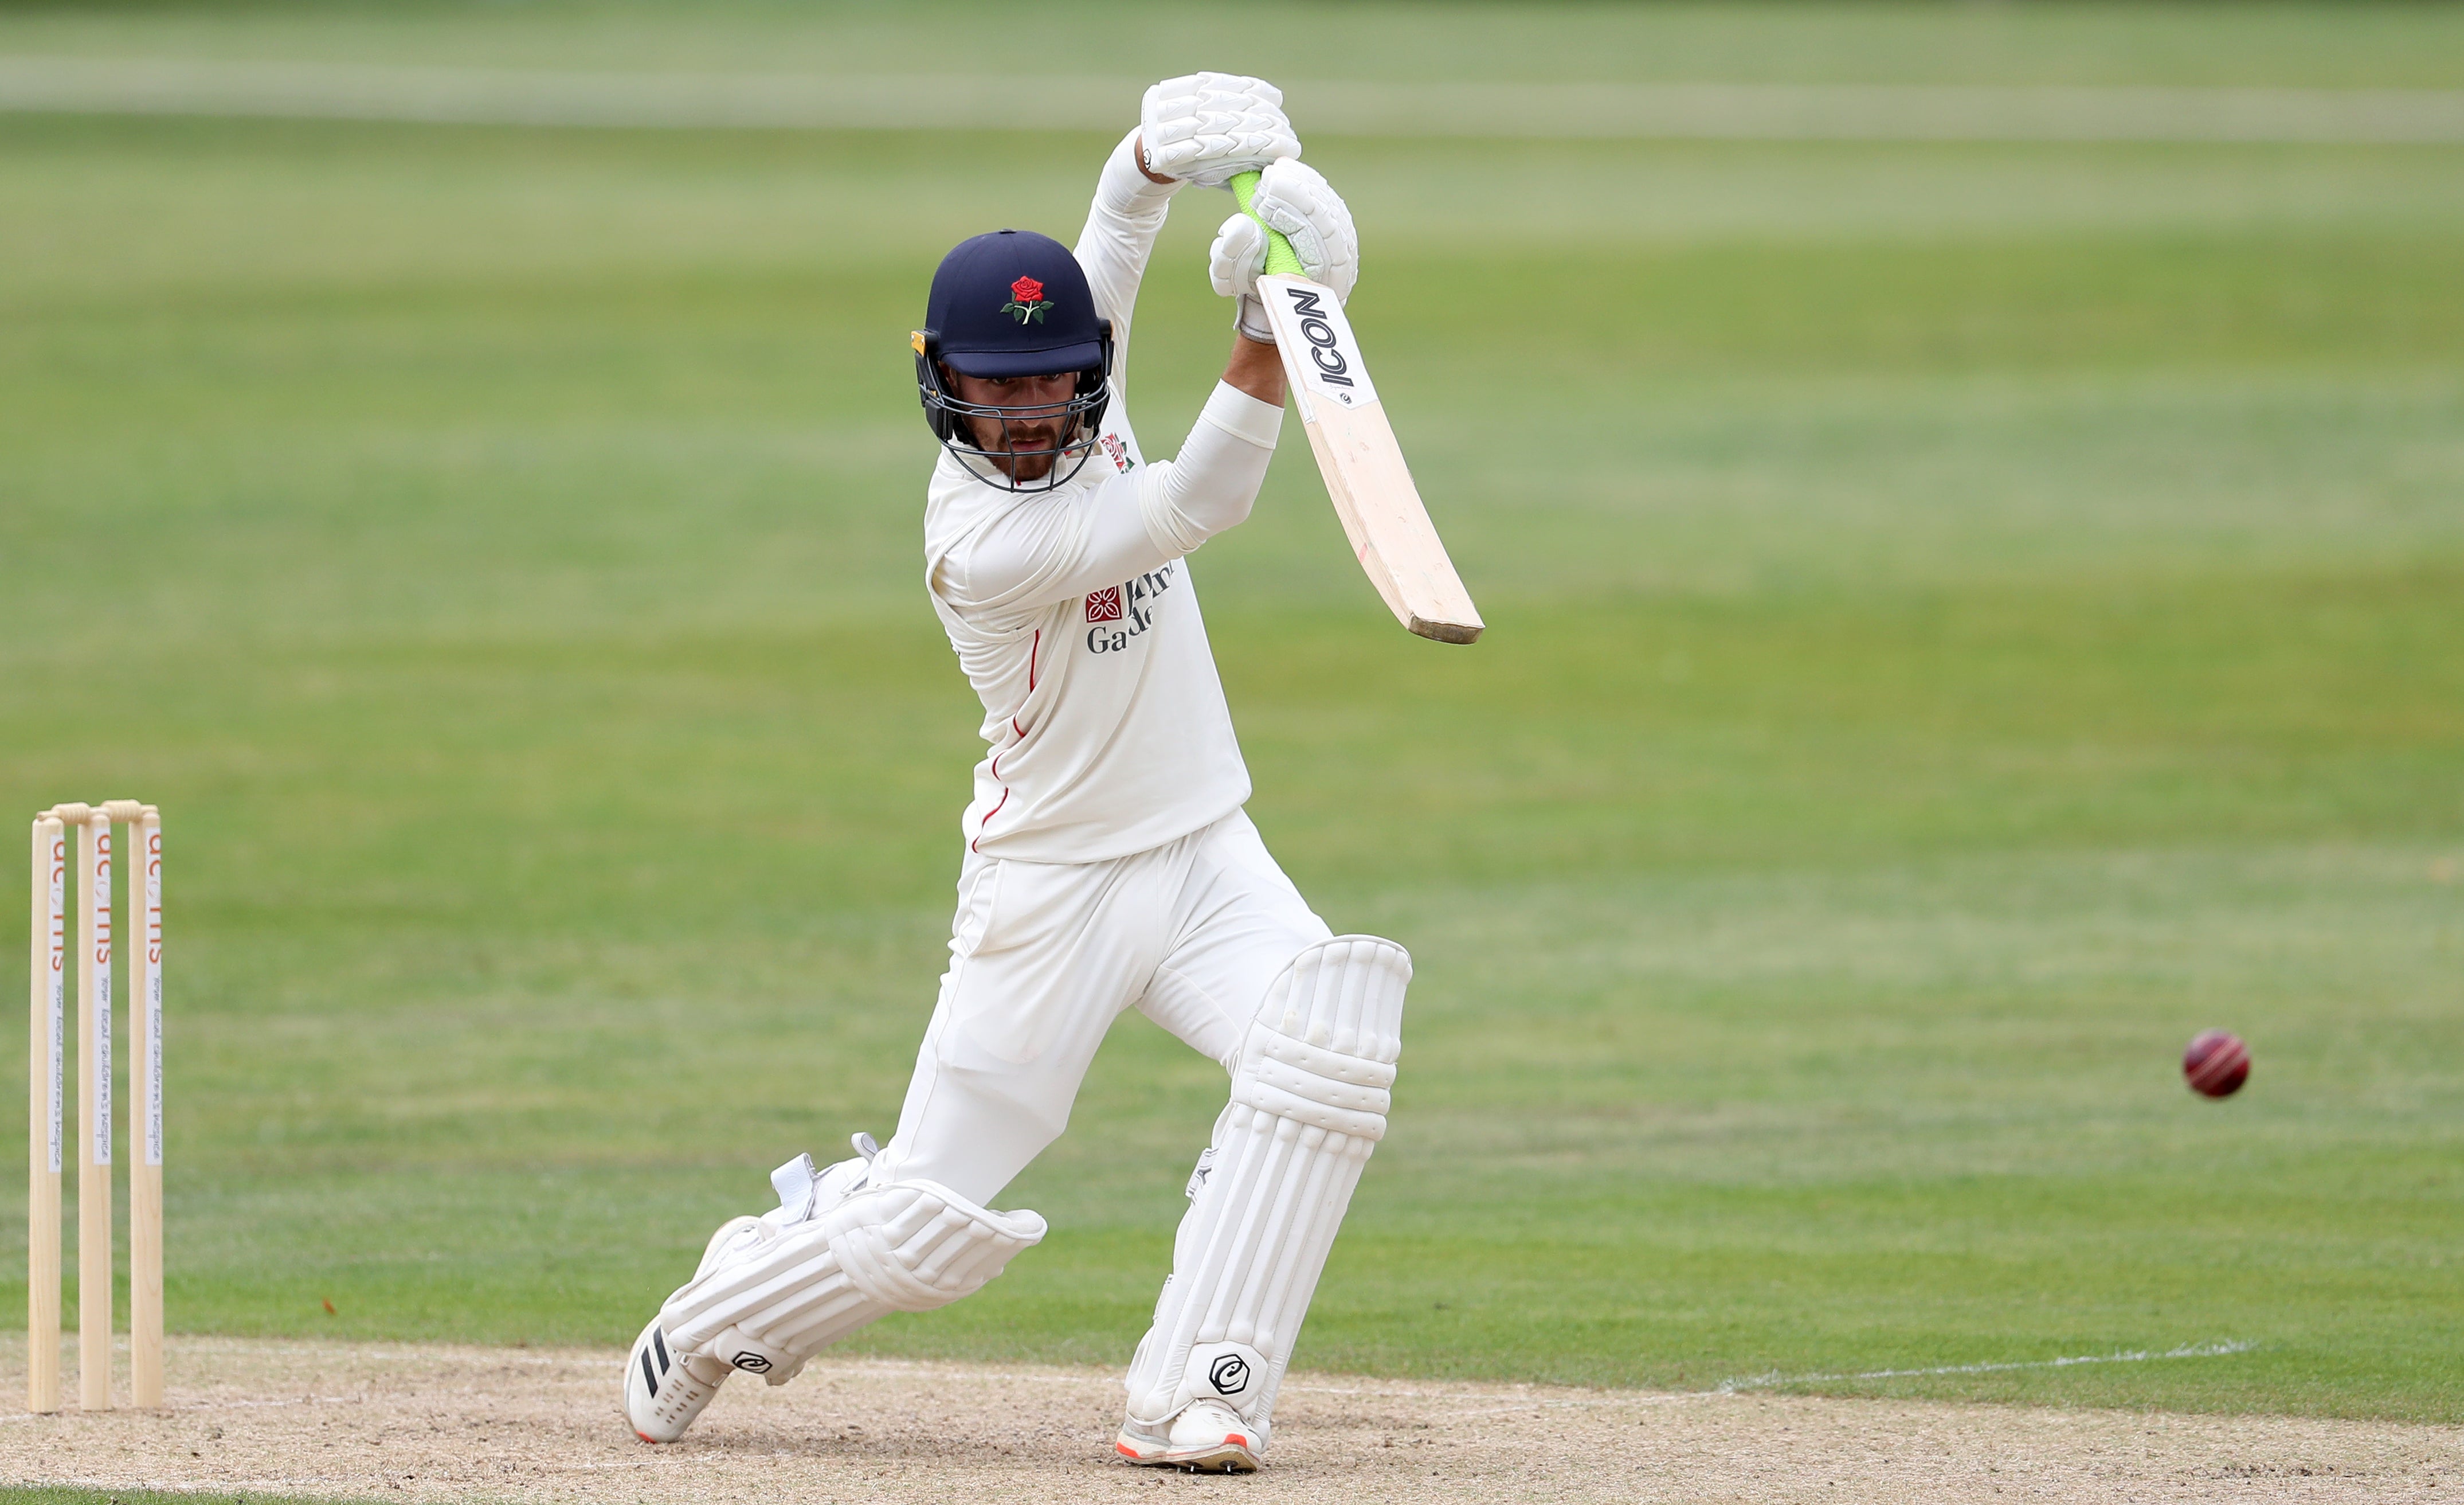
(1008, 304)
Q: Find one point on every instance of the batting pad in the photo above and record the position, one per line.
(1309, 1094)
(907, 1246)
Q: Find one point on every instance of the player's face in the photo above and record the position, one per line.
(1039, 406)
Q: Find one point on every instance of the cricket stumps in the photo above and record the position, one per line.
(47, 1102)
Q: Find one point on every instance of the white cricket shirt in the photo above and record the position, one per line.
(1072, 612)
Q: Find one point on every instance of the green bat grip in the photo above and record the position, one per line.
(1280, 255)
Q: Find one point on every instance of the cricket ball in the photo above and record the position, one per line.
(2216, 1064)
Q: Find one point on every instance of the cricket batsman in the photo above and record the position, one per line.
(1108, 863)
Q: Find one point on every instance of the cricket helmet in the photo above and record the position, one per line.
(1013, 304)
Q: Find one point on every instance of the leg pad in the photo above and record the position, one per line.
(1309, 1096)
(783, 1294)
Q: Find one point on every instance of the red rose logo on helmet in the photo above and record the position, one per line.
(1026, 300)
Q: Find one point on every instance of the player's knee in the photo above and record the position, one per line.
(1348, 989)
(1322, 1051)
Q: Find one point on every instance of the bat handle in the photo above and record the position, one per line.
(1280, 255)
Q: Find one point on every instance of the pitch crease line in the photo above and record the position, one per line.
(2141, 1355)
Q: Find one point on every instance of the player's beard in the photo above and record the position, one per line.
(1017, 434)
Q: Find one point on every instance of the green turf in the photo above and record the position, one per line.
(1963, 618)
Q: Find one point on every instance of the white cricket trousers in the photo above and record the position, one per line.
(1045, 955)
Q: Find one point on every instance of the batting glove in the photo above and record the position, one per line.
(1209, 126)
(1296, 199)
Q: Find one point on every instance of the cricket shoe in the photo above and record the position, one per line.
(1206, 1437)
(664, 1392)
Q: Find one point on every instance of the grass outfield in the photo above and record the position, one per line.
(1963, 617)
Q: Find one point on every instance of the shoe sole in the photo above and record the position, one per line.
(1224, 1457)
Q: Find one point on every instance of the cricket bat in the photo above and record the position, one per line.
(1365, 475)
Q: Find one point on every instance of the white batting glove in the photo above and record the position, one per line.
(1207, 126)
(1296, 199)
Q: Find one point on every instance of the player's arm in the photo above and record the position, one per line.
(1122, 222)
(1202, 128)
(1050, 550)
(1211, 485)
(1055, 547)
(1256, 370)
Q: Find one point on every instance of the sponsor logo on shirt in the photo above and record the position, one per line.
(1122, 460)
(1130, 603)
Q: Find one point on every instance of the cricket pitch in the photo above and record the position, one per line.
(404, 1421)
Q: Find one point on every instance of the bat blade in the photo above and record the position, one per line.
(1366, 478)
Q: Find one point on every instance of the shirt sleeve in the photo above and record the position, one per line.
(1120, 235)
(1053, 546)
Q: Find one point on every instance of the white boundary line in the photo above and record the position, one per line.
(434, 95)
(1765, 1382)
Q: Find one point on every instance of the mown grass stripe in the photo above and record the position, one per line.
(930, 102)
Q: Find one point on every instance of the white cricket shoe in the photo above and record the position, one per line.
(663, 1391)
(1206, 1437)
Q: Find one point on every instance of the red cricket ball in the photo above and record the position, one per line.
(2216, 1064)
